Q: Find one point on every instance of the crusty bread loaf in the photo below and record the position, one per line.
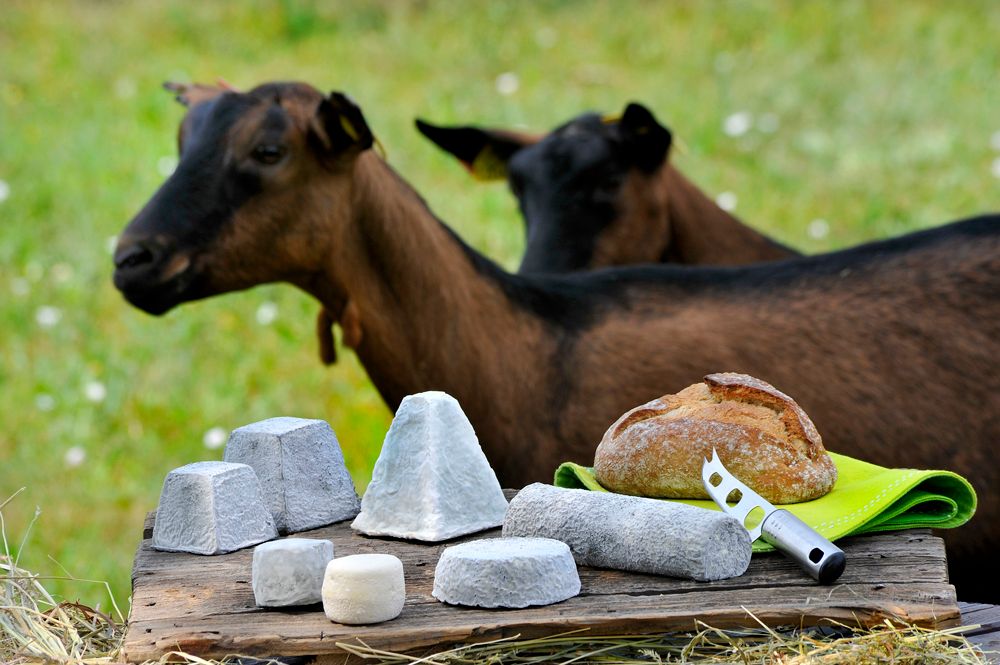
(760, 434)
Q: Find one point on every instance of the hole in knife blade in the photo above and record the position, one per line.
(753, 518)
(715, 479)
(734, 497)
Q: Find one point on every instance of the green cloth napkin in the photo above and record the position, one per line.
(866, 498)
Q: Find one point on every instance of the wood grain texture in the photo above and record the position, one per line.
(204, 605)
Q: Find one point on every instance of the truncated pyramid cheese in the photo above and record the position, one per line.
(506, 572)
(301, 469)
(211, 508)
(431, 481)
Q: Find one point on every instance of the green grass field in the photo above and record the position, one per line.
(874, 118)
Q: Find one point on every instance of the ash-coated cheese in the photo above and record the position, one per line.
(211, 508)
(301, 469)
(289, 571)
(364, 588)
(432, 481)
(506, 572)
(632, 533)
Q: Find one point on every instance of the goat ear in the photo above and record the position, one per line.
(484, 152)
(192, 94)
(647, 140)
(339, 124)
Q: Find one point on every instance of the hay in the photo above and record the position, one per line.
(35, 628)
(888, 643)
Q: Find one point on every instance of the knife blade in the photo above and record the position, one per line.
(823, 560)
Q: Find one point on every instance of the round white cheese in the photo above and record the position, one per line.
(506, 572)
(364, 588)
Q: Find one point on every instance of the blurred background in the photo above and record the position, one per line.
(822, 123)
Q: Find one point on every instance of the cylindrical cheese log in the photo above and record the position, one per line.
(364, 588)
(607, 530)
(506, 572)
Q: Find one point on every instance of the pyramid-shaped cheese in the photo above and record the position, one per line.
(301, 468)
(431, 481)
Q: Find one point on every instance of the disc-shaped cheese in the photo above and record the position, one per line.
(364, 588)
(506, 572)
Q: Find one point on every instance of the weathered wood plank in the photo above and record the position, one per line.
(204, 605)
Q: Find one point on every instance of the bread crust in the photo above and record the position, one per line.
(760, 434)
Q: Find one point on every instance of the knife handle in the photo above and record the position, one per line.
(814, 553)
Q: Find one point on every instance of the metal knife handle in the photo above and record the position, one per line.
(814, 553)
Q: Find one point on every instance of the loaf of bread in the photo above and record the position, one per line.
(761, 435)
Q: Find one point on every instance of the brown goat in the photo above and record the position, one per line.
(609, 197)
(892, 347)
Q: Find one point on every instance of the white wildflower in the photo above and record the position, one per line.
(4, 191)
(95, 391)
(726, 201)
(45, 402)
(47, 316)
(508, 83)
(267, 312)
(75, 456)
(737, 124)
(215, 438)
(818, 229)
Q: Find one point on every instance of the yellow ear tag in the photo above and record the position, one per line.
(348, 128)
(380, 149)
(611, 118)
(488, 166)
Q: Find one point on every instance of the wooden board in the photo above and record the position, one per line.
(987, 635)
(204, 605)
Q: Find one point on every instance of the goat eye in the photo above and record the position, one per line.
(268, 153)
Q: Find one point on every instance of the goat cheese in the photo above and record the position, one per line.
(301, 468)
(364, 588)
(211, 508)
(633, 533)
(431, 481)
(506, 572)
(290, 571)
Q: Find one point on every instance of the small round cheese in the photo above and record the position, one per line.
(364, 588)
(506, 572)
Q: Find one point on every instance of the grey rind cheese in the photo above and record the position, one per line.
(290, 571)
(631, 533)
(431, 481)
(301, 468)
(211, 508)
(506, 572)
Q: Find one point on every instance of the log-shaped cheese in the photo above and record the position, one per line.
(607, 530)
(364, 588)
(506, 572)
